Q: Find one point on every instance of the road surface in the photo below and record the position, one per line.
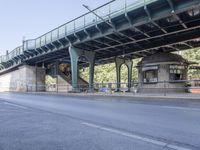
(53, 122)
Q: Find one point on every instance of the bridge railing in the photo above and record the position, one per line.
(105, 11)
(89, 19)
(3, 58)
(11, 55)
(16, 52)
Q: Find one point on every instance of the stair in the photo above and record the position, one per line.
(65, 83)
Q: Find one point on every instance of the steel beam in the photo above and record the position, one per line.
(77, 37)
(112, 39)
(103, 43)
(173, 47)
(154, 37)
(157, 47)
(153, 22)
(175, 15)
(188, 45)
(135, 28)
(50, 58)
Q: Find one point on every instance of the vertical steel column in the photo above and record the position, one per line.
(36, 85)
(75, 53)
(119, 62)
(129, 64)
(57, 73)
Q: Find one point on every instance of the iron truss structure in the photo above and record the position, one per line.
(118, 28)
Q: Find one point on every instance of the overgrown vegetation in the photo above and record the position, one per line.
(107, 72)
(50, 80)
(193, 55)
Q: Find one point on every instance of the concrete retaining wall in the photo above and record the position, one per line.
(23, 79)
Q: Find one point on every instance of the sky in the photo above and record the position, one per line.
(32, 18)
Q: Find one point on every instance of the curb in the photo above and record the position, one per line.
(177, 97)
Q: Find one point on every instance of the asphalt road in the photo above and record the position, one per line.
(52, 122)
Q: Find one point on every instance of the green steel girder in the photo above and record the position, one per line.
(47, 47)
(188, 45)
(44, 49)
(78, 38)
(56, 46)
(99, 29)
(75, 54)
(60, 59)
(118, 63)
(103, 35)
(29, 54)
(60, 42)
(14, 60)
(175, 15)
(50, 56)
(68, 40)
(150, 19)
(165, 42)
(2, 66)
(133, 23)
(155, 37)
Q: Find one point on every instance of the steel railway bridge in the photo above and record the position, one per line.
(118, 31)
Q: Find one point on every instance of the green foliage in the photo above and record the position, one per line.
(102, 73)
(50, 80)
(193, 55)
(107, 73)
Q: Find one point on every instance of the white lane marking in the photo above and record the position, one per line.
(15, 105)
(181, 108)
(176, 147)
(134, 136)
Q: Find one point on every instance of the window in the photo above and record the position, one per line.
(176, 72)
(150, 74)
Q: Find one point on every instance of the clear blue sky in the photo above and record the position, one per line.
(32, 18)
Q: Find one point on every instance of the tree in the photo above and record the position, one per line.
(107, 73)
(193, 55)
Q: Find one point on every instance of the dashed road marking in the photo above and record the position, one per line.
(181, 108)
(15, 105)
(137, 137)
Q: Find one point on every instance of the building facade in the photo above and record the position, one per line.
(163, 72)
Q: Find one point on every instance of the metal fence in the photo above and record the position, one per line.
(161, 87)
(164, 87)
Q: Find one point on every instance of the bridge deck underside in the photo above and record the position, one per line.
(163, 25)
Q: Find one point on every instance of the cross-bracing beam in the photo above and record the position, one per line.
(175, 15)
(153, 22)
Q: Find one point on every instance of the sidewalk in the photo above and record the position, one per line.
(184, 96)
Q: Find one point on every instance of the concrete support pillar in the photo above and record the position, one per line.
(119, 62)
(40, 78)
(75, 54)
(24, 79)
